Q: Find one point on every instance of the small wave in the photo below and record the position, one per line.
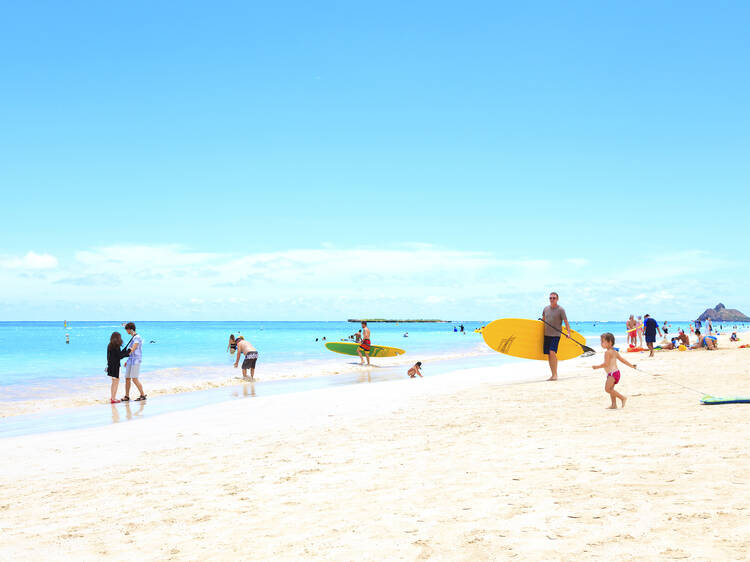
(83, 391)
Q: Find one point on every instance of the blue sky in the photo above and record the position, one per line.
(327, 160)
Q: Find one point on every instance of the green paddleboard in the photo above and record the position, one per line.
(710, 400)
(350, 348)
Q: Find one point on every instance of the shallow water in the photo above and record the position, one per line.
(64, 419)
(191, 356)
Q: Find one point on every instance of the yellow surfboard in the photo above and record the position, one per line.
(524, 338)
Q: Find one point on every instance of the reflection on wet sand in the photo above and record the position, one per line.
(129, 413)
(248, 390)
(87, 416)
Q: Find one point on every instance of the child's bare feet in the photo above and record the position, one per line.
(624, 398)
(612, 408)
(552, 378)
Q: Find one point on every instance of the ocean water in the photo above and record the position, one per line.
(31, 352)
(37, 366)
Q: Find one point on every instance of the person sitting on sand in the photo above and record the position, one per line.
(709, 342)
(245, 348)
(415, 370)
(611, 357)
(734, 337)
(671, 345)
(684, 338)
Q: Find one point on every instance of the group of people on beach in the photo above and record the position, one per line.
(553, 318)
(133, 351)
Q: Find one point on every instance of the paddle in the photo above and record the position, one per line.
(587, 351)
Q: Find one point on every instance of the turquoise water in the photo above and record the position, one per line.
(31, 352)
(36, 365)
(36, 351)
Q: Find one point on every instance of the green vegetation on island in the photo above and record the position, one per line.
(392, 320)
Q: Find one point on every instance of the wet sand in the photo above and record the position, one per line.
(454, 466)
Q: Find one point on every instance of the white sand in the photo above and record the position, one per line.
(449, 467)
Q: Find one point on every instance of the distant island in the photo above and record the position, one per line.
(392, 320)
(723, 314)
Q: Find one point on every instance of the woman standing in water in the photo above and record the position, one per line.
(114, 354)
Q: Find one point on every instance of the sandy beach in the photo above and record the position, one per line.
(452, 467)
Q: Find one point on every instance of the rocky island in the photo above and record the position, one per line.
(723, 314)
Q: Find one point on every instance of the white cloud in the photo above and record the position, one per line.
(329, 281)
(31, 260)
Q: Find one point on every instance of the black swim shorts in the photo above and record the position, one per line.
(250, 360)
(550, 344)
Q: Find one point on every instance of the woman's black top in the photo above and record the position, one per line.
(114, 354)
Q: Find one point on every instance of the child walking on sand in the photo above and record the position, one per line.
(415, 370)
(611, 357)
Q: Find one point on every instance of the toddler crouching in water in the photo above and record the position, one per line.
(415, 370)
(611, 356)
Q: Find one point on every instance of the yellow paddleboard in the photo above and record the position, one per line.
(524, 338)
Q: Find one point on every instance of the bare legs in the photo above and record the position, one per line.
(136, 382)
(609, 388)
(252, 373)
(113, 388)
(553, 365)
(362, 356)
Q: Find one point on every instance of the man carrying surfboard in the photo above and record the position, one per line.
(364, 348)
(553, 316)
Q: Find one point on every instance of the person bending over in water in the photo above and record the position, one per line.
(415, 370)
(611, 357)
(245, 348)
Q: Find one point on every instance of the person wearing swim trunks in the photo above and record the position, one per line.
(611, 357)
(631, 328)
(245, 348)
(650, 327)
(364, 348)
(553, 316)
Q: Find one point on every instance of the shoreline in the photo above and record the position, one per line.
(90, 391)
(453, 466)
